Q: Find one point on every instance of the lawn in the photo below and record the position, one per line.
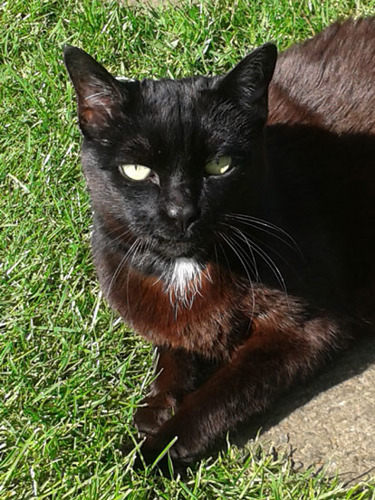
(71, 373)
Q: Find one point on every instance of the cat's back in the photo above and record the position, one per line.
(321, 156)
(329, 80)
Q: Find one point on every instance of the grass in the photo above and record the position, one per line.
(70, 372)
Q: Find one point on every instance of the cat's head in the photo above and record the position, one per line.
(165, 160)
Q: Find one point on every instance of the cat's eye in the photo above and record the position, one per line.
(218, 166)
(135, 172)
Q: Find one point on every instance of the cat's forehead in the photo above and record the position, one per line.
(184, 87)
(172, 112)
(176, 96)
(183, 117)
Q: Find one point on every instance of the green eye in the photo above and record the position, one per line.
(218, 166)
(135, 172)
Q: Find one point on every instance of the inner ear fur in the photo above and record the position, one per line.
(99, 98)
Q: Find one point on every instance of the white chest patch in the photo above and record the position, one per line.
(184, 280)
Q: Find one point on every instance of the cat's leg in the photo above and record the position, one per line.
(268, 362)
(178, 373)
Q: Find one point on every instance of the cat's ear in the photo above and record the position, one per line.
(248, 81)
(99, 97)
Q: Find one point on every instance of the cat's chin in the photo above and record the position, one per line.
(183, 276)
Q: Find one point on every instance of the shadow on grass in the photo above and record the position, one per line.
(342, 367)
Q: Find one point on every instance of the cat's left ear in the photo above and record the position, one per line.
(99, 97)
(248, 81)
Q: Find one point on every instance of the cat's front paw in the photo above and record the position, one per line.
(167, 458)
(156, 410)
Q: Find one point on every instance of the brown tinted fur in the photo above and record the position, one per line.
(237, 347)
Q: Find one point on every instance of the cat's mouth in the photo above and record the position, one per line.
(172, 262)
(181, 248)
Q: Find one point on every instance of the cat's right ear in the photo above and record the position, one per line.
(99, 97)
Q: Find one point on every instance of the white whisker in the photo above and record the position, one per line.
(268, 228)
(136, 249)
(269, 261)
(232, 244)
(121, 264)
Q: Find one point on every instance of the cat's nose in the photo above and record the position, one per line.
(183, 215)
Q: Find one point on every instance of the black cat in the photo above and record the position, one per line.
(242, 248)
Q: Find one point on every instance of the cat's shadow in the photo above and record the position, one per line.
(343, 366)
